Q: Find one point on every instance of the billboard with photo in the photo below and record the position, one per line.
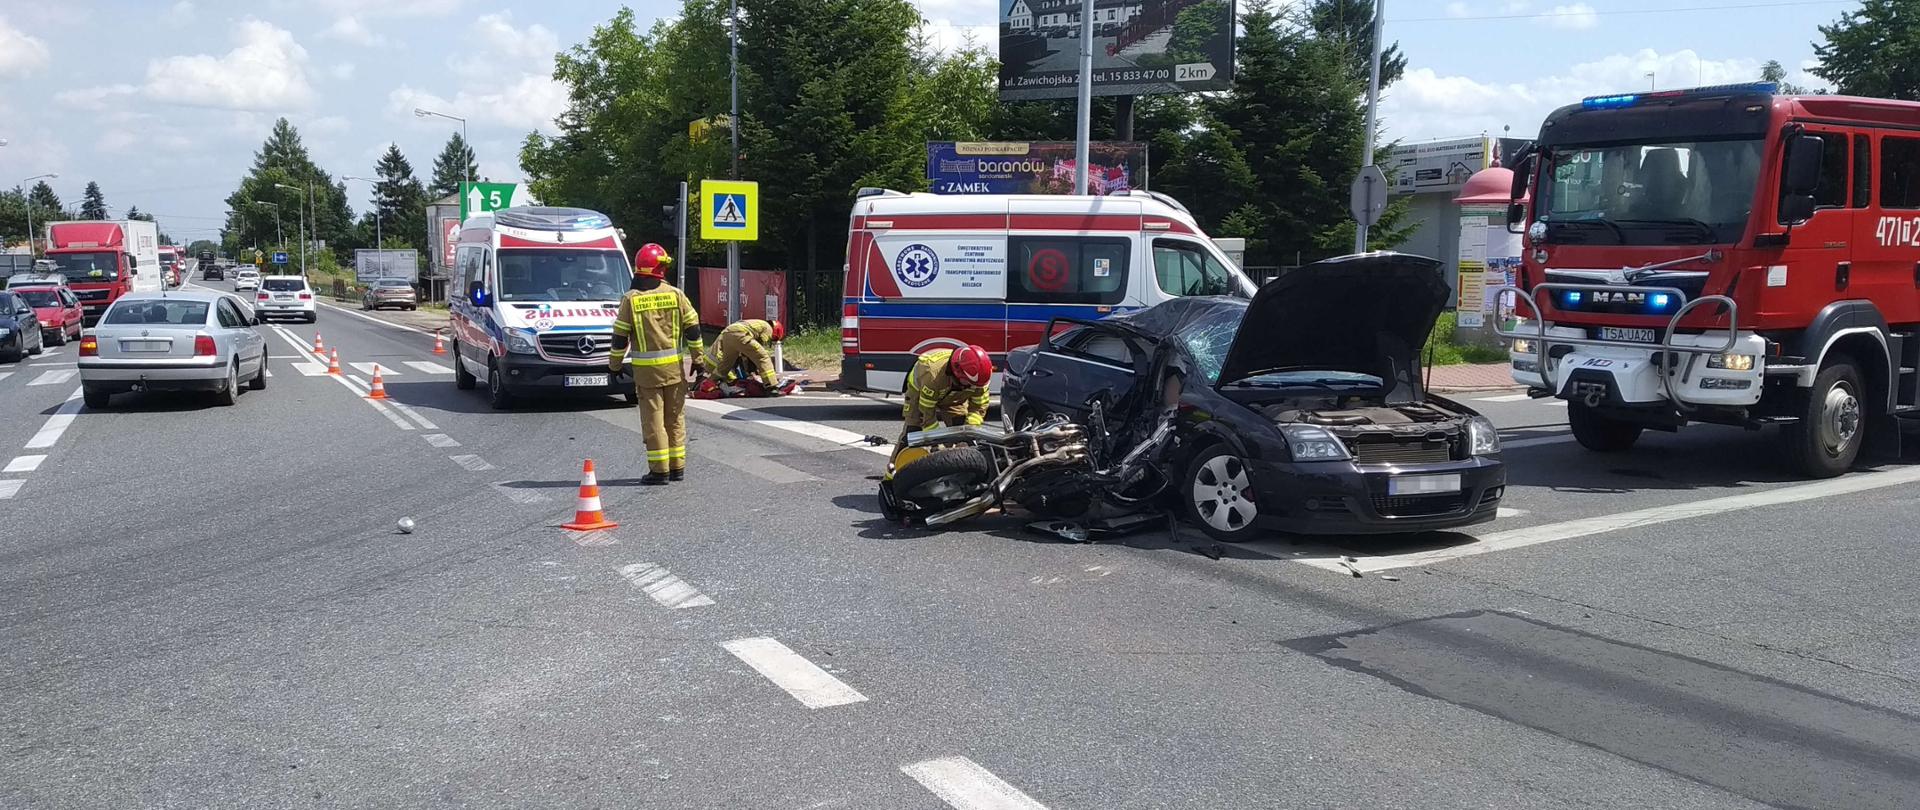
(1039, 167)
(1140, 47)
(1418, 168)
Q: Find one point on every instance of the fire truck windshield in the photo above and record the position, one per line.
(1653, 193)
(83, 267)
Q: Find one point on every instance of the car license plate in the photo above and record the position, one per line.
(1423, 484)
(586, 380)
(1628, 335)
(145, 345)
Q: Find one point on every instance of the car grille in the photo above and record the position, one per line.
(1418, 505)
(90, 295)
(566, 346)
(1401, 452)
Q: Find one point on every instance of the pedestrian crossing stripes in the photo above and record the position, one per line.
(55, 377)
(10, 487)
(310, 369)
(387, 370)
(425, 367)
(21, 464)
(669, 590)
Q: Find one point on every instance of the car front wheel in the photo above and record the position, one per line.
(462, 378)
(497, 394)
(1220, 497)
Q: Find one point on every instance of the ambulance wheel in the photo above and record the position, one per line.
(497, 394)
(1600, 433)
(1827, 439)
(462, 378)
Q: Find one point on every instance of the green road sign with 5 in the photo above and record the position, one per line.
(480, 198)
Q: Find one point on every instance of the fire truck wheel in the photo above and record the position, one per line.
(1827, 439)
(1600, 433)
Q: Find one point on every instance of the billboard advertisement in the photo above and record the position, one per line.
(370, 265)
(763, 295)
(1042, 167)
(1417, 168)
(1140, 47)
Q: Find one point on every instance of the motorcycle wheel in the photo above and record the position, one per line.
(943, 476)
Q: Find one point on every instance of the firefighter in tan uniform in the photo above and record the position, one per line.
(946, 387)
(748, 340)
(654, 318)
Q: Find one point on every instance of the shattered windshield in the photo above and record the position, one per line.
(1208, 340)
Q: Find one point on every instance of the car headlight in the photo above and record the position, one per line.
(1311, 443)
(1522, 346)
(1482, 436)
(521, 343)
(1731, 362)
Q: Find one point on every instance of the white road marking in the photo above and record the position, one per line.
(363, 316)
(1557, 403)
(518, 495)
(311, 369)
(472, 463)
(809, 684)
(413, 414)
(425, 367)
(831, 434)
(1515, 444)
(964, 785)
(54, 377)
(21, 464)
(50, 353)
(669, 590)
(56, 424)
(9, 487)
(367, 369)
(1567, 530)
(1505, 398)
(440, 440)
(5, 374)
(358, 386)
(1509, 512)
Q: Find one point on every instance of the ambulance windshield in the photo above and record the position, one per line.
(558, 274)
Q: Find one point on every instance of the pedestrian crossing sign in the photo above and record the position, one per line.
(732, 210)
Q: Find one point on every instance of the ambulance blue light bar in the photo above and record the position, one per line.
(1631, 99)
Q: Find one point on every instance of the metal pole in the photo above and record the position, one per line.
(1373, 107)
(1083, 130)
(30, 239)
(680, 267)
(733, 166)
(469, 158)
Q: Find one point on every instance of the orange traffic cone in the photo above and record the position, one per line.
(587, 516)
(439, 344)
(319, 346)
(333, 363)
(379, 390)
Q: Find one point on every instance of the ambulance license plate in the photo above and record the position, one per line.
(1423, 484)
(586, 380)
(1628, 335)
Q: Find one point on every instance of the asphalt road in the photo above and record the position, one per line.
(209, 606)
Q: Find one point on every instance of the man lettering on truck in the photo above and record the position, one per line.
(654, 318)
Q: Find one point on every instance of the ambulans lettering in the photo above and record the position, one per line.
(1898, 231)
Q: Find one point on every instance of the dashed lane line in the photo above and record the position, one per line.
(413, 414)
(440, 440)
(56, 424)
(23, 464)
(10, 487)
(964, 785)
(809, 684)
(472, 463)
(670, 591)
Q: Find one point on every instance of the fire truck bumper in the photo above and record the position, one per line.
(1631, 375)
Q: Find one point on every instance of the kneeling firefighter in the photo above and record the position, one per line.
(946, 387)
(655, 317)
(747, 342)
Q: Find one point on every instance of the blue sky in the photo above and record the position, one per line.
(164, 101)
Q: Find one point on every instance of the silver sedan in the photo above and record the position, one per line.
(172, 341)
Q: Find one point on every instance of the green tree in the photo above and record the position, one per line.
(284, 175)
(1350, 24)
(1873, 50)
(93, 204)
(400, 202)
(454, 166)
(195, 247)
(1773, 72)
(42, 198)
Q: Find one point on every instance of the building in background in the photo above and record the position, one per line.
(1437, 175)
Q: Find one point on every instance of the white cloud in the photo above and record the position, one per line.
(342, 71)
(532, 102)
(1425, 104)
(505, 51)
(94, 98)
(350, 30)
(181, 13)
(1458, 9)
(267, 71)
(20, 54)
(1576, 16)
(947, 36)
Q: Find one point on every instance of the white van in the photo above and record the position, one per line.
(926, 271)
(533, 300)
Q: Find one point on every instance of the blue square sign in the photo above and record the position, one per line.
(280, 257)
(730, 211)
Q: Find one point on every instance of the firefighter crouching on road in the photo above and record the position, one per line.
(654, 317)
(748, 340)
(946, 387)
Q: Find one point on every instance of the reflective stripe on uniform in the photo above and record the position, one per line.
(664, 357)
(658, 455)
(674, 453)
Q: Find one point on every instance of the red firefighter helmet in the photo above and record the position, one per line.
(971, 366)
(651, 260)
(779, 332)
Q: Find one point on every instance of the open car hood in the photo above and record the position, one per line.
(1369, 313)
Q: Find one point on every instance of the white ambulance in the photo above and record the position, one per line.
(926, 271)
(532, 303)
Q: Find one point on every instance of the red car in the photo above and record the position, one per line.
(61, 317)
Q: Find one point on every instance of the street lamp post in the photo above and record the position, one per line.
(278, 237)
(29, 202)
(466, 168)
(733, 165)
(306, 222)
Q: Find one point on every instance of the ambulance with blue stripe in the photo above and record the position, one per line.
(532, 305)
(927, 271)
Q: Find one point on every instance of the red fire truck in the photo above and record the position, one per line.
(1725, 255)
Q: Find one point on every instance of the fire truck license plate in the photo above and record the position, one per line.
(1628, 335)
(586, 380)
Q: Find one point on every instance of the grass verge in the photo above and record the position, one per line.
(1447, 353)
(814, 348)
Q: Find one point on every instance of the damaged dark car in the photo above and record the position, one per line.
(1301, 410)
